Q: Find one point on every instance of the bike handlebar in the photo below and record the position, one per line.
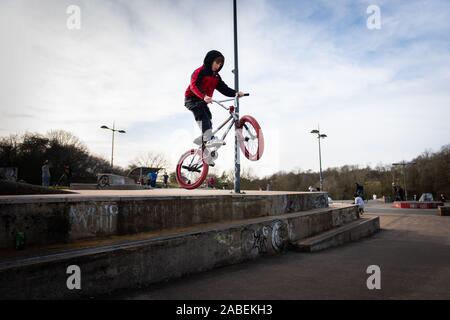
(226, 100)
(221, 101)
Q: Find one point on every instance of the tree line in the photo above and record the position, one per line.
(430, 172)
(28, 152)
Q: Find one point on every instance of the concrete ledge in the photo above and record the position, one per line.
(417, 204)
(136, 263)
(53, 220)
(349, 232)
(94, 186)
(83, 186)
(8, 188)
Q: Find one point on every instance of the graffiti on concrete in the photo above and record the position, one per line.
(228, 241)
(92, 219)
(321, 201)
(279, 235)
(275, 234)
(260, 239)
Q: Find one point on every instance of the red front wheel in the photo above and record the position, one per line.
(192, 169)
(251, 138)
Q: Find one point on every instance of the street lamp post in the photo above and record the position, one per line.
(237, 162)
(403, 164)
(320, 136)
(112, 148)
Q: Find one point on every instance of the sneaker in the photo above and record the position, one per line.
(198, 140)
(214, 143)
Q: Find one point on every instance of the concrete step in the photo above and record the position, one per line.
(56, 219)
(303, 224)
(352, 231)
(129, 262)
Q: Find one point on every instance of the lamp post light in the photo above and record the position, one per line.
(320, 136)
(403, 164)
(112, 149)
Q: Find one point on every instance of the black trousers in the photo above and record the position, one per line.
(201, 112)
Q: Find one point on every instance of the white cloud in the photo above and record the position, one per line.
(382, 92)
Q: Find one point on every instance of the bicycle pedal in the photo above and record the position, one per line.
(214, 144)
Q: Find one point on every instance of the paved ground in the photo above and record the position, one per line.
(412, 250)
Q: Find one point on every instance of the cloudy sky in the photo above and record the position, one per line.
(381, 95)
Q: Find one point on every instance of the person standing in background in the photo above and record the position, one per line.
(46, 174)
(166, 180)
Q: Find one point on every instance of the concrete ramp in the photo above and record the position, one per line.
(255, 225)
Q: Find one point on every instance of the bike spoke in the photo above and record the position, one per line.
(191, 168)
(250, 139)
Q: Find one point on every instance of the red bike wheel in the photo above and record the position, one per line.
(251, 138)
(192, 169)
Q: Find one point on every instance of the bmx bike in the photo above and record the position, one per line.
(192, 167)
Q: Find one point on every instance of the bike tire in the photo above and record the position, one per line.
(183, 181)
(251, 138)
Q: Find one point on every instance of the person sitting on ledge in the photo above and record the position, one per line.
(360, 203)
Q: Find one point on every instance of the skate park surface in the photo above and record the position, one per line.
(125, 239)
(412, 251)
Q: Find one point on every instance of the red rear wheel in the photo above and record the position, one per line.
(251, 138)
(192, 169)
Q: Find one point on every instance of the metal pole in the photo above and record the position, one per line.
(237, 163)
(404, 181)
(112, 149)
(320, 164)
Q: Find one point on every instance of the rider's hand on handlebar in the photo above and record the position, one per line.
(207, 99)
(240, 94)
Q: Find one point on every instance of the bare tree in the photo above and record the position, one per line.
(65, 138)
(150, 159)
(247, 173)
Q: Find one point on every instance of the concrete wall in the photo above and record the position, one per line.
(106, 269)
(53, 220)
(9, 188)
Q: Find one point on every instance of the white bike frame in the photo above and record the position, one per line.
(233, 118)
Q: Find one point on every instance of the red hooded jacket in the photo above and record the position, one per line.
(204, 81)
